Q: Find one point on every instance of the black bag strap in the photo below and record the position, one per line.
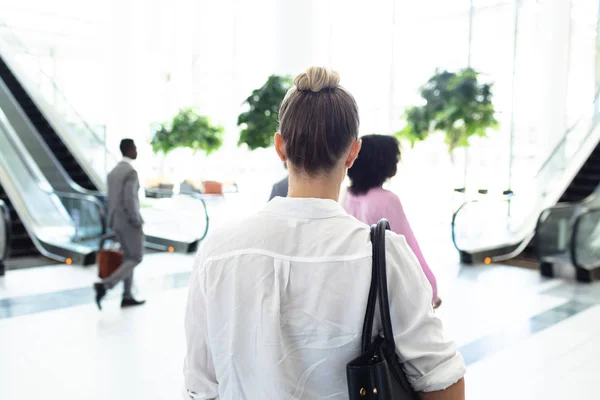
(380, 265)
(372, 300)
(378, 289)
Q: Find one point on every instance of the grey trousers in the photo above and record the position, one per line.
(132, 244)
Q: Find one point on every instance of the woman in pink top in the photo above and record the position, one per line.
(368, 201)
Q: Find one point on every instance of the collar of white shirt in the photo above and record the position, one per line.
(304, 207)
(127, 160)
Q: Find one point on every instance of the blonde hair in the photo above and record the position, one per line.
(318, 121)
(317, 78)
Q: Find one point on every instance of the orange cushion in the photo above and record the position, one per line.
(211, 187)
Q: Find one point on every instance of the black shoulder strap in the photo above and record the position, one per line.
(370, 313)
(380, 265)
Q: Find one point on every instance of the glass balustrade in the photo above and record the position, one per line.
(87, 213)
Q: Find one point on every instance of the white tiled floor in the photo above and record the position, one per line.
(79, 353)
(63, 277)
(476, 309)
(559, 363)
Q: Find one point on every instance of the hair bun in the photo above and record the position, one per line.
(317, 78)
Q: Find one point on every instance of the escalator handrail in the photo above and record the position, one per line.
(573, 247)
(195, 195)
(453, 223)
(6, 221)
(198, 196)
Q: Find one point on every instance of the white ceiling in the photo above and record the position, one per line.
(65, 28)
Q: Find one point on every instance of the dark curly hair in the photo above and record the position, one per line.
(376, 163)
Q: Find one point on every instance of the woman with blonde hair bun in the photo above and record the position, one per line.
(277, 300)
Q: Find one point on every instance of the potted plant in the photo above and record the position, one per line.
(455, 103)
(187, 130)
(260, 122)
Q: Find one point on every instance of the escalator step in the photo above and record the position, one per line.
(571, 199)
(591, 168)
(23, 245)
(583, 176)
(579, 190)
(18, 229)
(582, 188)
(20, 236)
(25, 252)
(56, 144)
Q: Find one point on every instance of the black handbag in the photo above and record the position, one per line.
(377, 373)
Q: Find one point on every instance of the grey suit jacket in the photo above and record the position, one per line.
(123, 199)
(280, 188)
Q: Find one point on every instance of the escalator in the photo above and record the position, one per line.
(70, 155)
(567, 236)
(568, 240)
(45, 129)
(508, 229)
(41, 221)
(586, 181)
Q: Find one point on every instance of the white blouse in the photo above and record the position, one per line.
(277, 302)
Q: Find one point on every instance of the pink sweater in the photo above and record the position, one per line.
(379, 203)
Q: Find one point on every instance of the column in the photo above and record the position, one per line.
(294, 36)
(554, 40)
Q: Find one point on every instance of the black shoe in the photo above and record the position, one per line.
(131, 302)
(100, 293)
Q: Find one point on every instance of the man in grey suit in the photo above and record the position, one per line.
(125, 219)
(280, 188)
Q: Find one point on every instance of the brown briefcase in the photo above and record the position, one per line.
(108, 259)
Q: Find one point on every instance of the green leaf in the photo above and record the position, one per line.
(190, 130)
(455, 103)
(261, 121)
